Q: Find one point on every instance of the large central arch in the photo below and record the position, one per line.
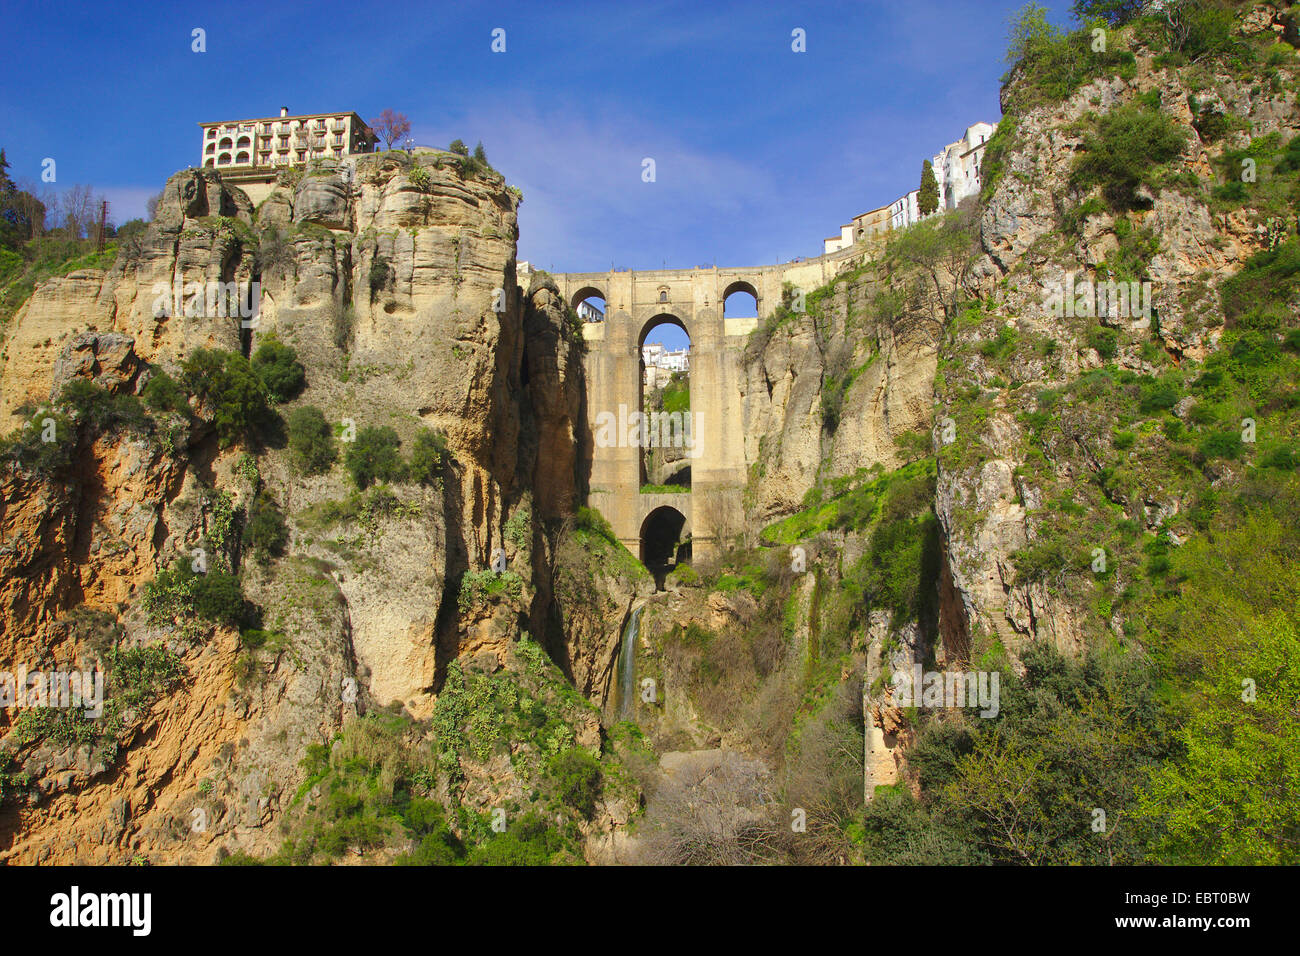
(666, 461)
(665, 541)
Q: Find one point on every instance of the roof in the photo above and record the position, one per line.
(277, 117)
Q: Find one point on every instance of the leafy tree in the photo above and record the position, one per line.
(228, 389)
(577, 780)
(311, 440)
(266, 532)
(928, 200)
(480, 154)
(1229, 633)
(1114, 12)
(374, 457)
(277, 365)
(162, 393)
(428, 454)
(458, 147)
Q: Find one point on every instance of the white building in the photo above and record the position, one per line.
(957, 168)
(957, 171)
(589, 313)
(659, 363)
(284, 140)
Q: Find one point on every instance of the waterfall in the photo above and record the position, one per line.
(627, 666)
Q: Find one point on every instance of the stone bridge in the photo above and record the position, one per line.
(693, 300)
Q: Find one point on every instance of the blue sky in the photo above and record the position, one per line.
(760, 152)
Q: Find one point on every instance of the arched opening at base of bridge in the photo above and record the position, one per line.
(663, 544)
(665, 346)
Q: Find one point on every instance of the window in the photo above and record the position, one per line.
(663, 296)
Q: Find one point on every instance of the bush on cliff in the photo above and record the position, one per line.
(311, 440)
(228, 390)
(374, 457)
(277, 365)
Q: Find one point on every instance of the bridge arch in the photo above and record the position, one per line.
(585, 293)
(665, 541)
(663, 318)
(739, 286)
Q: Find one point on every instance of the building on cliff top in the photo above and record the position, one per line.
(278, 141)
(957, 171)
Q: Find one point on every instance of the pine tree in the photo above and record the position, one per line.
(928, 200)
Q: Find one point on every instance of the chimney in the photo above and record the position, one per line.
(284, 111)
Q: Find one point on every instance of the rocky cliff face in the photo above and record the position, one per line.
(393, 278)
(1005, 477)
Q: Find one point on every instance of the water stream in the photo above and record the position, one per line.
(627, 666)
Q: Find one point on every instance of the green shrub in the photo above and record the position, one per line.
(163, 394)
(311, 440)
(575, 775)
(229, 390)
(179, 592)
(428, 456)
(1220, 444)
(1123, 152)
(266, 532)
(277, 365)
(374, 457)
(101, 409)
(1105, 341)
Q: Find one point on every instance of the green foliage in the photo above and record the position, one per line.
(1229, 630)
(374, 457)
(855, 502)
(139, 675)
(996, 150)
(477, 588)
(928, 198)
(102, 410)
(1048, 65)
(428, 456)
(676, 393)
(311, 440)
(266, 532)
(576, 777)
(277, 365)
(1261, 295)
(459, 148)
(420, 178)
(664, 489)
(229, 390)
(45, 443)
(179, 593)
(899, 569)
(1114, 12)
(1021, 787)
(1123, 151)
(519, 528)
(163, 394)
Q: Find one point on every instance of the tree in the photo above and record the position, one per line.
(311, 440)
(428, 452)
(945, 250)
(458, 147)
(151, 206)
(480, 154)
(1114, 12)
(390, 127)
(266, 534)
(928, 200)
(277, 365)
(227, 389)
(373, 457)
